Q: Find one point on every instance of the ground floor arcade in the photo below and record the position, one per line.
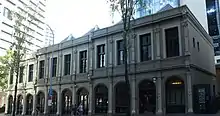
(157, 95)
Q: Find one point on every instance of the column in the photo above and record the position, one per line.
(24, 104)
(34, 102)
(74, 95)
(189, 91)
(59, 101)
(185, 37)
(159, 110)
(46, 101)
(110, 98)
(90, 112)
(6, 104)
(157, 42)
(133, 96)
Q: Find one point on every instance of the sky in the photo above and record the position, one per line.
(76, 17)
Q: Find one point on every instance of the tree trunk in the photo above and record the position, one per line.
(15, 95)
(126, 72)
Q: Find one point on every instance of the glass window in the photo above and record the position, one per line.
(67, 59)
(54, 67)
(31, 72)
(83, 61)
(101, 56)
(41, 69)
(172, 42)
(11, 76)
(7, 13)
(145, 44)
(21, 74)
(120, 48)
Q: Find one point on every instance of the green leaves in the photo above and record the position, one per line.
(5, 64)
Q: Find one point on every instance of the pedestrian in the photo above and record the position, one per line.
(80, 109)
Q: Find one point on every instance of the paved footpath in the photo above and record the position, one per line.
(218, 114)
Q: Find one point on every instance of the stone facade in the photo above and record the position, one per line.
(193, 66)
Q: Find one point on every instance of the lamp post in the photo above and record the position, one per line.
(51, 69)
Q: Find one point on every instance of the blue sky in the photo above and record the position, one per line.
(76, 17)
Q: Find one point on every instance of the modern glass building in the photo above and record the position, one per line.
(149, 7)
(212, 7)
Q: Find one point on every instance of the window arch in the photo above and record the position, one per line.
(67, 101)
(19, 104)
(29, 104)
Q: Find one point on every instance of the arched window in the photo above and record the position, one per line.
(175, 95)
(19, 104)
(82, 95)
(40, 102)
(67, 101)
(10, 104)
(29, 104)
(53, 109)
(121, 99)
(101, 99)
(147, 96)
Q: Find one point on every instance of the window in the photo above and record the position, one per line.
(83, 61)
(145, 44)
(54, 67)
(21, 74)
(198, 46)
(7, 13)
(218, 61)
(41, 69)
(194, 43)
(172, 42)
(67, 64)
(11, 76)
(101, 56)
(120, 48)
(31, 72)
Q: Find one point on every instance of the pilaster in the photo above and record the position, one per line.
(156, 40)
(46, 101)
(34, 102)
(133, 96)
(24, 104)
(59, 103)
(189, 92)
(159, 110)
(110, 98)
(90, 112)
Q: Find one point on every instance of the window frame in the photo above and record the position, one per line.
(21, 74)
(67, 64)
(101, 56)
(147, 44)
(41, 69)
(54, 66)
(83, 61)
(31, 73)
(173, 42)
(119, 50)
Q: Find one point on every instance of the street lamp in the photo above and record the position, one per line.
(51, 69)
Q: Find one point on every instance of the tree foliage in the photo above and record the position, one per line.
(4, 69)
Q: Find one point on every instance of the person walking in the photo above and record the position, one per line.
(80, 109)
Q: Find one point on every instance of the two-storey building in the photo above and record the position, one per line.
(171, 69)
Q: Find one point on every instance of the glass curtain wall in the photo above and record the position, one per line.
(148, 7)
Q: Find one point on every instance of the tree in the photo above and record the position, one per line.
(4, 69)
(21, 40)
(126, 9)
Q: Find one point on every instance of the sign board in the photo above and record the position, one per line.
(49, 102)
